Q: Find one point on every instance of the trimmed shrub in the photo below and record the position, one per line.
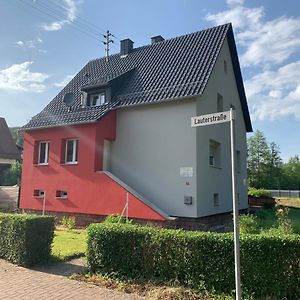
(115, 218)
(248, 224)
(26, 239)
(201, 260)
(68, 222)
(253, 192)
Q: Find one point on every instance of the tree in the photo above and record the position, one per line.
(274, 167)
(12, 175)
(259, 158)
(291, 174)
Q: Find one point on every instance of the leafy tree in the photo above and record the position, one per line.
(291, 174)
(17, 138)
(12, 175)
(259, 158)
(274, 167)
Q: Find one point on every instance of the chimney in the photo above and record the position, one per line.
(156, 39)
(126, 46)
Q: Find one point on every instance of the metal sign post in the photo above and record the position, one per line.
(222, 117)
(235, 210)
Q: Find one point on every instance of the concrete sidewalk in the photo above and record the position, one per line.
(22, 284)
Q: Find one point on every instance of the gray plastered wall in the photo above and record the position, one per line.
(154, 141)
(218, 180)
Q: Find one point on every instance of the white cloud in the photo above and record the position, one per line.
(64, 82)
(275, 93)
(267, 45)
(31, 44)
(271, 41)
(71, 14)
(239, 16)
(235, 2)
(18, 77)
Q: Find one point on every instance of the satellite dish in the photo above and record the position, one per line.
(69, 99)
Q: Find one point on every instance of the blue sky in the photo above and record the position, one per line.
(45, 42)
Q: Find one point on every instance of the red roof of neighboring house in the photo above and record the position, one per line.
(8, 147)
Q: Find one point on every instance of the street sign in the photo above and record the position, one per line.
(211, 119)
(221, 117)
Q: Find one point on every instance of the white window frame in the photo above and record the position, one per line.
(46, 162)
(214, 160)
(100, 101)
(75, 149)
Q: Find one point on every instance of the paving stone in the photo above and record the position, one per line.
(18, 283)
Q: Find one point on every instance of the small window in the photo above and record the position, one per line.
(238, 198)
(43, 153)
(61, 194)
(219, 103)
(238, 161)
(96, 100)
(71, 151)
(225, 66)
(216, 200)
(214, 154)
(39, 193)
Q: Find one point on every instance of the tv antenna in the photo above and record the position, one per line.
(107, 42)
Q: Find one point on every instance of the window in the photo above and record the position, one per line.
(43, 153)
(225, 66)
(71, 156)
(61, 194)
(238, 161)
(39, 193)
(96, 100)
(216, 200)
(214, 154)
(219, 103)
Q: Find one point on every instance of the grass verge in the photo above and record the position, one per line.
(147, 289)
(267, 218)
(68, 244)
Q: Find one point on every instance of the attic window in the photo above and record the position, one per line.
(96, 100)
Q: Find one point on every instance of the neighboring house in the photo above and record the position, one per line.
(8, 150)
(122, 126)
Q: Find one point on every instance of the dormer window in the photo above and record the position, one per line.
(96, 100)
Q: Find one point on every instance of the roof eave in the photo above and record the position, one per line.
(239, 78)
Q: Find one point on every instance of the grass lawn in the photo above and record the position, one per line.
(267, 218)
(68, 244)
(291, 202)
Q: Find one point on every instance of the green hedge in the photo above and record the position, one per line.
(26, 239)
(200, 260)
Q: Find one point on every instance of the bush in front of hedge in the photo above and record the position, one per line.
(26, 239)
(270, 265)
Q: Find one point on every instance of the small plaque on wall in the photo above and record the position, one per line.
(186, 172)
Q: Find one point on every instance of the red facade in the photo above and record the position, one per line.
(89, 190)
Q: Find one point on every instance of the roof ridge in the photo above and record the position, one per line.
(164, 41)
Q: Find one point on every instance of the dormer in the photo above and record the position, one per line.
(95, 97)
(101, 91)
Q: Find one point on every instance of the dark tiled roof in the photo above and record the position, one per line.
(8, 149)
(170, 69)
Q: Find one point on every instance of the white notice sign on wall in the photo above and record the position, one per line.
(186, 172)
